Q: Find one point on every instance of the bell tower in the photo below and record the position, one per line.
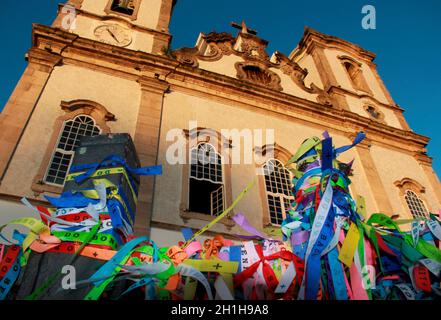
(140, 25)
(96, 69)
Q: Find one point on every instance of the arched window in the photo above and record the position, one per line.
(206, 194)
(413, 200)
(68, 140)
(81, 118)
(278, 190)
(416, 205)
(354, 70)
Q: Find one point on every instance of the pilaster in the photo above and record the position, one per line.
(22, 102)
(146, 141)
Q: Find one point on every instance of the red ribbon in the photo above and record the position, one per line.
(69, 247)
(268, 273)
(422, 278)
(74, 217)
(383, 246)
(8, 260)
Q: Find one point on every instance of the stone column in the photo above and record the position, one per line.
(146, 141)
(324, 68)
(161, 40)
(21, 104)
(373, 177)
(330, 84)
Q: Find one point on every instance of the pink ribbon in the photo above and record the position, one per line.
(359, 293)
(193, 248)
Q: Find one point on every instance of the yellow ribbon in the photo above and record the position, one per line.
(221, 216)
(35, 226)
(347, 251)
(213, 265)
(105, 172)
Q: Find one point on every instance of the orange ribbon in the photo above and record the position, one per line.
(212, 247)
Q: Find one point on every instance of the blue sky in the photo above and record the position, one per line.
(406, 41)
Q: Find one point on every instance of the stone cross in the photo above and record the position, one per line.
(243, 27)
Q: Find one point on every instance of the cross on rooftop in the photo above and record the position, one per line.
(244, 28)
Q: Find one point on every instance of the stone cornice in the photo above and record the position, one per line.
(363, 96)
(137, 64)
(153, 85)
(312, 37)
(43, 58)
(423, 158)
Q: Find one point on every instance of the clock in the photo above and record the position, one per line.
(113, 34)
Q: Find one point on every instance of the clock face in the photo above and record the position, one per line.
(113, 34)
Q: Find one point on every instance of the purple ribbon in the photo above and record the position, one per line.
(299, 237)
(242, 221)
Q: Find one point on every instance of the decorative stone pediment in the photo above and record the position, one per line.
(251, 47)
(256, 64)
(298, 75)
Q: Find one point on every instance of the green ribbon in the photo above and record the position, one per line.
(98, 239)
(304, 148)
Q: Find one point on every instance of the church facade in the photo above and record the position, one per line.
(111, 70)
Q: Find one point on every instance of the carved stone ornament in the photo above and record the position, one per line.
(187, 56)
(256, 65)
(253, 47)
(258, 74)
(298, 75)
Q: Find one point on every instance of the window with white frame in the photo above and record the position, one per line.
(278, 189)
(69, 139)
(416, 205)
(206, 192)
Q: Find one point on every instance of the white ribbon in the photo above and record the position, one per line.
(222, 290)
(336, 236)
(415, 233)
(435, 228)
(191, 272)
(433, 266)
(287, 279)
(319, 221)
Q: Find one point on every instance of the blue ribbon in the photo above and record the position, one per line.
(313, 172)
(8, 281)
(69, 199)
(314, 260)
(18, 237)
(359, 138)
(187, 233)
(113, 161)
(327, 155)
(106, 270)
(148, 282)
(338, 280)
(236, 255)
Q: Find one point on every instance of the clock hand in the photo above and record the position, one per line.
(113, 35)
